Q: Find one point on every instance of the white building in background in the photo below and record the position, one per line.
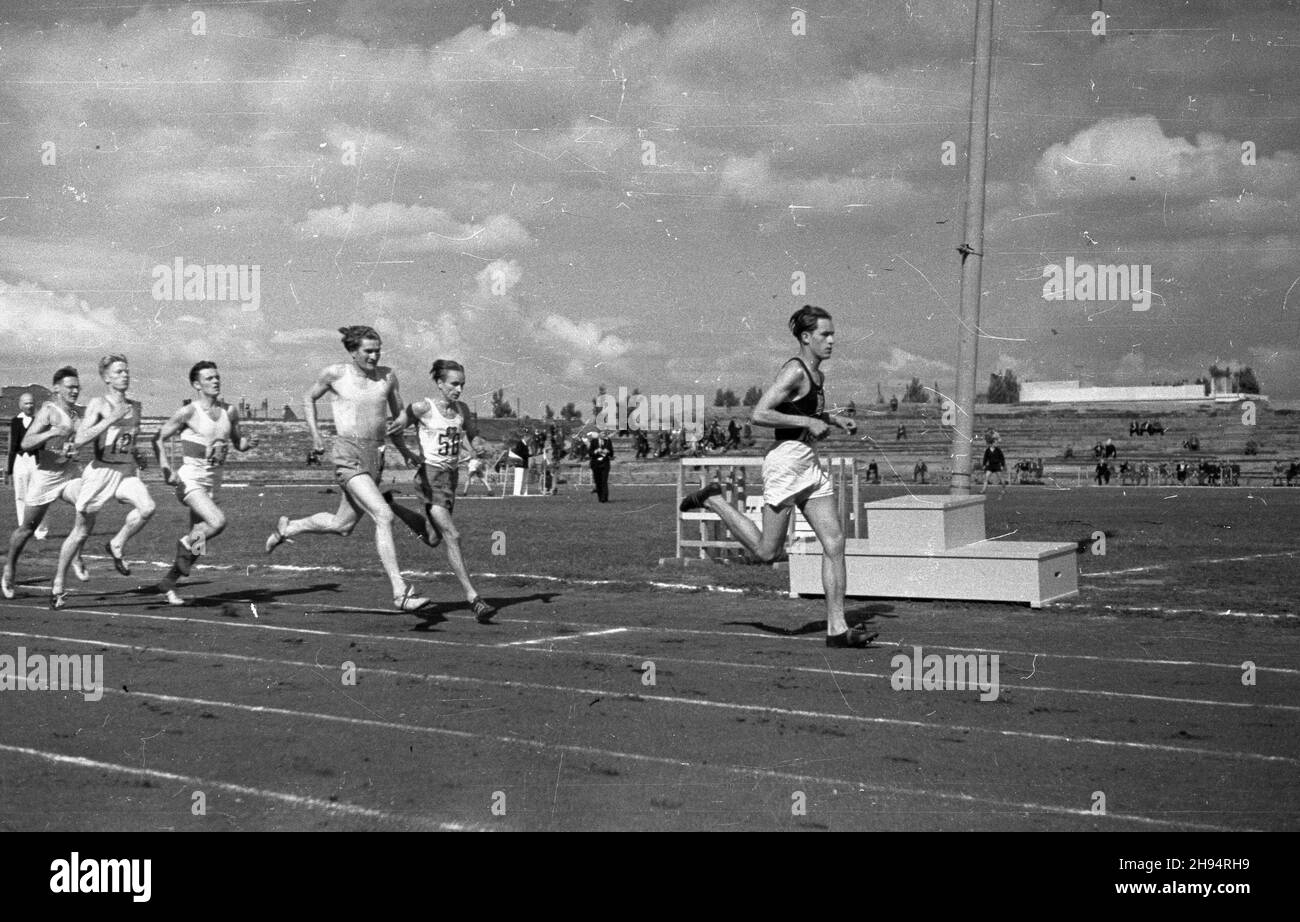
(1074, 392)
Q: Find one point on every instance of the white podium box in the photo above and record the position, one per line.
(1034, 572)
(933, 547)
(933, 523)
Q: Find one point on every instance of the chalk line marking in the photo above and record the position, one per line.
(729, 664)
(351, 635)
(294, 800)
(706, 703)
(767, 774)
(523, 643)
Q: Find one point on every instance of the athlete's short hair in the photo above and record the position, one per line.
(107, 360)
(442, 366)
(804, 320)
(67, 371)
(352, 336)
(200, 367)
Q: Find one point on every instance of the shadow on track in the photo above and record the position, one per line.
(855, 617)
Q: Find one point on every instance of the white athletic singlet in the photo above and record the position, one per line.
(197, 438)
(350, 389)
(50, 456)
(116, 444)
(440, 437)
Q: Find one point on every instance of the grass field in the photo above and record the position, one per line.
(548, 720)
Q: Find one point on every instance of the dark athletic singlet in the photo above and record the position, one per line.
(812, 403)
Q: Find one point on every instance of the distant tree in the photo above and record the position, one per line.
(880, 395)
(550, 414)
(1247, 383)
(916, 393)
(726, 398)
(1004, 388)
(570, 411)
(752, 396)
(289, 414)
(500, 408)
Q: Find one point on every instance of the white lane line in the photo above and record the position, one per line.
(677, 763)
(295, 800)
(436, 574)
(226, 622)
(524, 643)
(1160, 610)
(1194, 562)
(770, 667)
(701, 702)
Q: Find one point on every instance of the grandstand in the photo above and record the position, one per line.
(1037, 432)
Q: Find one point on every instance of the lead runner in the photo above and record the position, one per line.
(794, 405)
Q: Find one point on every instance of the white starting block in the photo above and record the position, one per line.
(934, 547)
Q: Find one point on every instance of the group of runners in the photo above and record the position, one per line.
(367, 411)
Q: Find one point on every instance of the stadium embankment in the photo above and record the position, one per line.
(1062, 437)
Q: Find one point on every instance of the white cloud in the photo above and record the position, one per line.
(415, 228)
(1134, 157)
(585, 337)
(34, 318)
(753, 179)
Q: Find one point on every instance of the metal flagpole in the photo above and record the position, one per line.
(972, 252)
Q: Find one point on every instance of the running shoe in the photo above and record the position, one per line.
(483, 612)
(278, 537)
(696, 500)
(408, 602)
(118, 560)
(184, 558)
(857, 637)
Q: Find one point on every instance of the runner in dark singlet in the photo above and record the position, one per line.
(792, 476)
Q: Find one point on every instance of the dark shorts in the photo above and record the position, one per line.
(437, 485)
(353, 456)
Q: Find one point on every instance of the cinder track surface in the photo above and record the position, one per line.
(1133, 692)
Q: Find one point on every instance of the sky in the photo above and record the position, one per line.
(561, 194)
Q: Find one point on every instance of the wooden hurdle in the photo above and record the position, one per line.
(714, 541)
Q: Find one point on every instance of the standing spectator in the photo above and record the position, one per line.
(733, 435)
(1103, 472)
(517, 455)
(920, 472)
(901, 436)
(22, 463)
(1108, 451)
(995, 464)
(601, 449)
(747, 434)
